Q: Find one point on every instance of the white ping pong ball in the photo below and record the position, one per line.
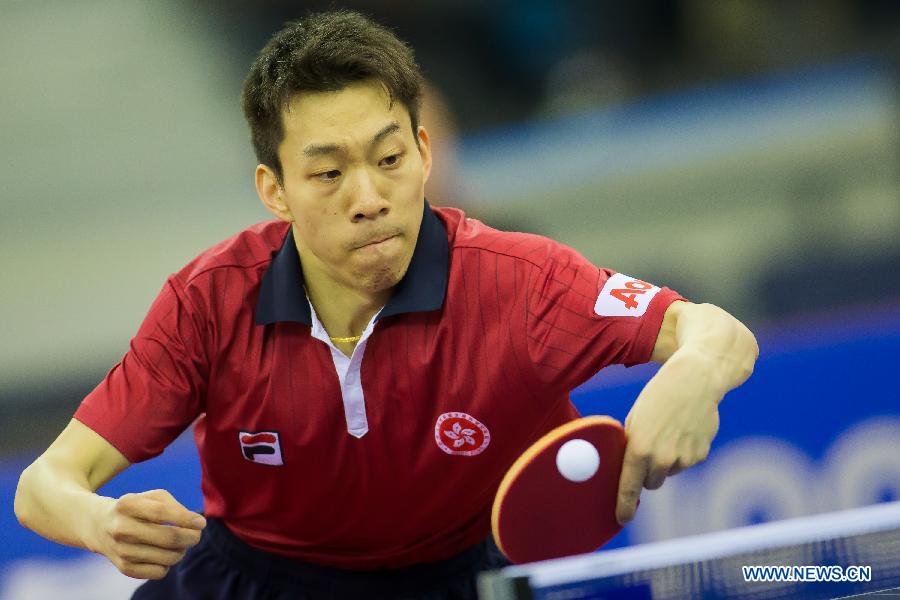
(577, 460)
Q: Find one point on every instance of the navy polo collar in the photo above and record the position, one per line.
(282, 296)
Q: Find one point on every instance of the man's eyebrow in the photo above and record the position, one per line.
(314, 150)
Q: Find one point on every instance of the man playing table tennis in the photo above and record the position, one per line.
(363, 370)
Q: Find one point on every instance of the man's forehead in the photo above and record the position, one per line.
(355, 108)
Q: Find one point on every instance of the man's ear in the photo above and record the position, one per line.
(425, 150)
(271, 193)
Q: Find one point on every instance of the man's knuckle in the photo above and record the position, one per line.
(123, 529)
(654, 482)
(691, 460)
(628, 494)
(640, 450)
(158, 572)
(129, 554)
(156, 514)
(174, 539)
(132, 570)
(117, 532)
(656, 462)
(665, 460)
(164, 494)
(124, 505)
(191, 538)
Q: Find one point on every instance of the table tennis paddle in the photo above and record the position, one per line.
(558, 499)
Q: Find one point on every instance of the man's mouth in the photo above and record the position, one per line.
(377, 240)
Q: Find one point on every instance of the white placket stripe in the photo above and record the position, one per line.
(348, 369)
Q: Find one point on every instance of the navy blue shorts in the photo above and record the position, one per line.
(223, 567)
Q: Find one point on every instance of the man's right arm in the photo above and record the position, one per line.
(141, 534)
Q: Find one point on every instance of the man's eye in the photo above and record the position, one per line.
(390, 161)
(328, 175)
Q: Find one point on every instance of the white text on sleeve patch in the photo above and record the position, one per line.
(624, 296)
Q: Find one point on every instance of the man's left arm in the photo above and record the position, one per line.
(705, 353)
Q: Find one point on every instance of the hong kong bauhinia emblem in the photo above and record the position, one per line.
(459, 433)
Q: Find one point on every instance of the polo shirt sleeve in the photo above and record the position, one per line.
(581, 318)
(157, 389)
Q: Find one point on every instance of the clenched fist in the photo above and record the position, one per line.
(144, 534)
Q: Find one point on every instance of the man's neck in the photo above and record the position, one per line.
(344, 312)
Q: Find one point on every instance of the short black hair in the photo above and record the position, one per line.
(324, 52)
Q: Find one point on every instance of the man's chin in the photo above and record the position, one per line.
(381, 277)
(380, 280)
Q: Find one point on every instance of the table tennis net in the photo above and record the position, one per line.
(822, 556)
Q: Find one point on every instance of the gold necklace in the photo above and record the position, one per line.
(345, 340)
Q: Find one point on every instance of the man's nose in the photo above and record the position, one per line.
(368, 202)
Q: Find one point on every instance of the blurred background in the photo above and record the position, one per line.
(743, 152)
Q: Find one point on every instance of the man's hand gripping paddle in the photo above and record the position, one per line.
(559, 497)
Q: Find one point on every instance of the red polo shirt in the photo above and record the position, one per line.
(392, 456)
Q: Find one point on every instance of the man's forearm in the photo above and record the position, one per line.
(56, 505)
